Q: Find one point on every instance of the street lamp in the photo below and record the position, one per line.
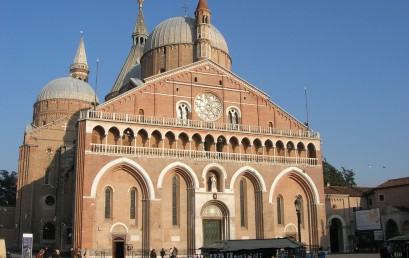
(297, 204)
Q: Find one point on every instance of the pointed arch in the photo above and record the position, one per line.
(252, 171)
(135, 168)
(178, 164)
(302, 175)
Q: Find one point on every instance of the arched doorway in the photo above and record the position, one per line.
(336, 235)
(392, 229)
(215, 222)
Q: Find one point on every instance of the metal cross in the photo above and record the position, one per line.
(186, 8)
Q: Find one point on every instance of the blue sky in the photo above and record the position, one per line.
(352, 55)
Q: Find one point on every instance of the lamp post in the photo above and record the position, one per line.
(297, 204)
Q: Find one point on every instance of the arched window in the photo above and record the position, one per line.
(175, 200)
(49, 231)
(156, 139)
(205, 19)
(209, 143)
(197, 142)
(133, 204)
(234, 145)
(280, 209)
(243, 208)
(142, 138)
(245, 144)
(113, 136)
(183, 111)
(221, 144)
(183, 141)
(128, 137)
(98, 134)
(233, 116)
(311, 151)
(108, 203)
(280, 149)
(47, 177)
(170, 140)
(312, 154)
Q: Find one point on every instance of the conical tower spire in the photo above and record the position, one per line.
(131, 68)
(79, 69)
(140, 33)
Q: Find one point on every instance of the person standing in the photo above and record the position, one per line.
(153, 254)
(174, 252)
(56, 253)
(41, 254)
(162, 253)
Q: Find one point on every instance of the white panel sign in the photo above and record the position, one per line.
(368, 219)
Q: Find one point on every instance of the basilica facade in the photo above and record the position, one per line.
(181, 153)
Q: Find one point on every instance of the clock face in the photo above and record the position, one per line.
(208, 106)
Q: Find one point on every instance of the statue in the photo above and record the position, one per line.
(213, 186)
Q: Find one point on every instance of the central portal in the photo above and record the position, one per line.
(212, 231)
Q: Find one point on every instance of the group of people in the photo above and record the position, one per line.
(45, 253)
(173, 253)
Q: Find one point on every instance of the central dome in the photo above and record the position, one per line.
(181, 30)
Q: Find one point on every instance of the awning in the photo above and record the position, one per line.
(399, 238)
(252, 244)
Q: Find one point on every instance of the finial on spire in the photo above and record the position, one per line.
(140, 2)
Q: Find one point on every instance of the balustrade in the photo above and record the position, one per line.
(131, 151)
(168, 121)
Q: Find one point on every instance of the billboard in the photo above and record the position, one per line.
(368, 219)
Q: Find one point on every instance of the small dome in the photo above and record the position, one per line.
(181, 30)
(67, 88)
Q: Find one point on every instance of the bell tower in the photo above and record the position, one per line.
(203, 46)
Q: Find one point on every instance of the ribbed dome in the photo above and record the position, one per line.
(180, 30)
(67, 88)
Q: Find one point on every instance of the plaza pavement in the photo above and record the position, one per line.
(354, 255)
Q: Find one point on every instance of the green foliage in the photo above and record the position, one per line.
(346, 177)
(8, 188)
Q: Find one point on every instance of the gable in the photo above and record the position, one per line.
(161, 94)
(63, 130)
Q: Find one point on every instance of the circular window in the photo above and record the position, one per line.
(208, 106)
(49, 200)
(49, 150)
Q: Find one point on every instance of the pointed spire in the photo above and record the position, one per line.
(140, 30)
(202, 5)
(79, 69)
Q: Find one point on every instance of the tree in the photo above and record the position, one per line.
(349, 177)
(8, 188)
(334, 177)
